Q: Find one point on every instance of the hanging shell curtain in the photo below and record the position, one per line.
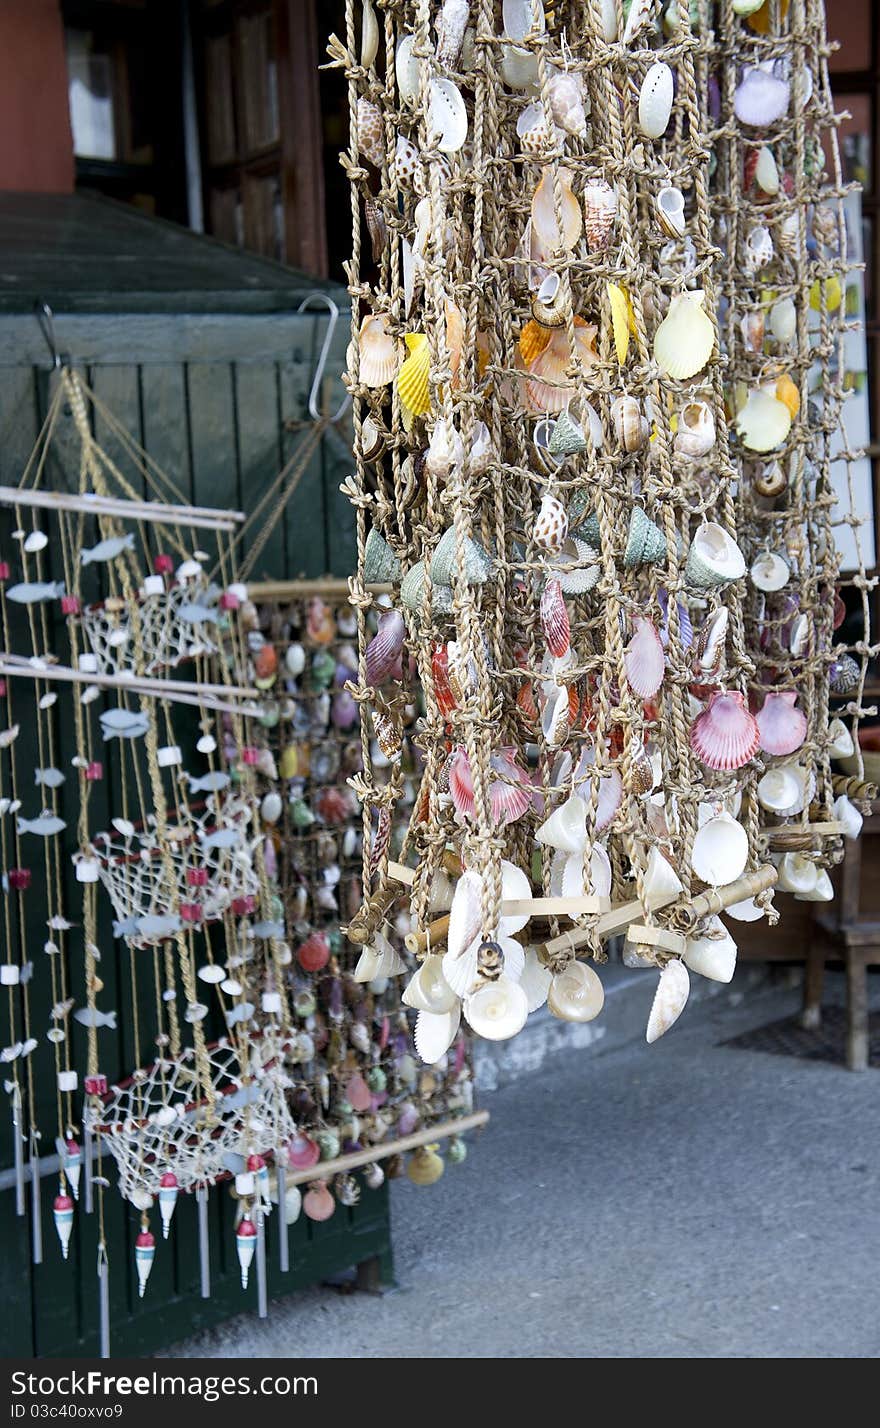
(545, 475)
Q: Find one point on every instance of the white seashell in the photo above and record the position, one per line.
(566, 828)
(535, 979)
(576, 994)
(212, 972)
(758, 249)
(797, 874)
(846, 813)
(36, 541)
(685, 339)
(497, 1010)
(745, 911)
(519, 67)
(841, 744)
(515, 887)
(644, 659)
(465, 915)
(720, 851)
(711, 640)
(556, 717)
(271, 807)
(406, 161)
(522, 18)
(778, 789)
(369, 34)
(428, 989)
(451, 25)
(712, 955)
(670, 999)
(766, 171)
(608, 20)
(445, 449)
(764, 422)
(769, 572)
(567, 102)
(714, 557)
(799, 639)
(655, 98)
(822, 890)
(661, 881)
(638, 17)
(435, 1033)
(533, 130)
(598, 882)
(447, 115)
(783, 320)
(670, 211)
(406, 68)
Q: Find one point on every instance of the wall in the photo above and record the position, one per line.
(36, 149)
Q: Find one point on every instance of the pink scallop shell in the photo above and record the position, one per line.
(302, 1153)
(782, 727)
(385, 648)
(644, 660)
(511, 793)
(554, 619)
(357, 1093)
(461, 782)
(725, 735)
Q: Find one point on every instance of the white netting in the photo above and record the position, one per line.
(162, 1121)
(168, 629)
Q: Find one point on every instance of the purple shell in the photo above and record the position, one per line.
(385, 648)
(344, 711)
(760, 98)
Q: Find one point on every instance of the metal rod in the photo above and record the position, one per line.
(18, 1152)
(262, 1306)
(191, 147)
(283, 1227)
(342, 1163)
(104, 1302)
(36, 1209)
(88, 1188)
(204, 1248)
(156, 512)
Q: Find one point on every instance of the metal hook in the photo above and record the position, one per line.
(46, 319)
(314, 413)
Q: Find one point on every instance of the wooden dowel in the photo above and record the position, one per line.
(297, 589)
(615, 920)
(828, 829)
(343, 1163)
(433, 935)
(715, 900)
(401, 874)
(15, 665)
(200, 517)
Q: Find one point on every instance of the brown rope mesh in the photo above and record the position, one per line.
(556, 218)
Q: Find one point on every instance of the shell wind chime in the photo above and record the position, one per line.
(547, 473)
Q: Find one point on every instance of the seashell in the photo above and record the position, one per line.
(445, 450)
(841, 744)
(369, 34)
(710, 642)
(609, 800)
(714, 557)
(497, 1010)
(747, 7)
(271, 807)
(670, 999)
(471, 563)
(720, 851)
(661, 882)
(576, 994)
(447, 115)
(763, 423)
(752, 329)
(669, 204)
(655, 99)
(725, 735)
(783, 728)
(406, 161)
(544, 224)
(406, 69)
(637, 19)
(551, 525)
(568, 435)
(608, 20)
(797, 874)
(480, 454)
(766, 173)
(567, 102)
(685, 339)
(822, 890)
(533, 130)
(389, 735)
(845, 675)
(770, 481)
(381, 565)
(760, 98)
(522, 18)
(451, 25)
(372, 442)
(377, 351)
(519, 67)
(547, 303)
(646, 543)
(696, 430)
(769, 572)
(554, 619)
(302, 1153)
(385, 648)
(630, 426)
(535, 980)
(757, 249)
(413, 592)
(465, 914)
(746, 911)
(622, 319)
(533, 340)
(778, 789)
(846, 813)
(644, 660)
(783, 320)
(713, 954)
(578, 567)
(370, 132)
(566, 828)
(510, 792)
(425, 1166)
(556, 717)
(600, 211)
(544, 392)
(786, 392)
(413, 377)
(428, 989)
(435, 1032)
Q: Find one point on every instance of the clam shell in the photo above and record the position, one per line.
(782, 727)
(797, 874)
(822, 890)
(497, 1010)
(461, 971)
(413, 385)
(714, 557)
(596, 883)
(428, 989)
(519, 67)
(685, 339)
(576, 994)
(713, 954)
(544, 224)
(760, 98)
(725, 736)
(535, 980)
(660, 880)
(522, 18)
(447, 115)
(554, 619)
(465, 914)
(720, 851)
(644, 660)
(670, 999)
(655, 98)
(435, 1032)
(745, 911)
(377, 351)
(385, 648)
(763, 423)
(778, 789)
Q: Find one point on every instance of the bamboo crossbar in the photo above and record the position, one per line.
(342, 1163)
(809, 830)
(717, 899)
(200, 517)
(138, 684)
(334, 589)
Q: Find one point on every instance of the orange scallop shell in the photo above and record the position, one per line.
(533, 340)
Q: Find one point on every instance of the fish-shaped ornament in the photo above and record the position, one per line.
(44, 826)
(49, 778)
(156, 925)
(243, 1012)
(107, 549)
(195, 614)
(222, 838)
(90, 1016)
(213, 782)
(8, 737)
(31, 592)
(123, 724)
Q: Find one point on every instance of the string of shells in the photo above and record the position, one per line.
(780, 200)
(544, 479)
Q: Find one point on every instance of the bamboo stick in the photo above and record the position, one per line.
(435, 933)
(644, 936)
(297, 589)
(15, 665)
(854, 787)
(364, 924)
(717, 899)
(342, 1163)
(200, 517)
(808, 831)
(615, 920)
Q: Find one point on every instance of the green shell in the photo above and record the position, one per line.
(412, 592)
(329, 1143)
(456, 1150)
(698, 572)
(381, 566)
(323, 669)
(589, 532)
(376, 1079)
(568, 436)
(444, 563)
(301, 816)
(646, 544)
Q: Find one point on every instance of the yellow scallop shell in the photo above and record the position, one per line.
(425, 1165)
(412, 379)
(833, 294)
(532, 340)
(788, 394)
(623, 320)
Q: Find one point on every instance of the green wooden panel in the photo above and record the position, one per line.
(305, 518)
(260, 459)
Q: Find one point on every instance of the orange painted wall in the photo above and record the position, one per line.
(36, 148)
